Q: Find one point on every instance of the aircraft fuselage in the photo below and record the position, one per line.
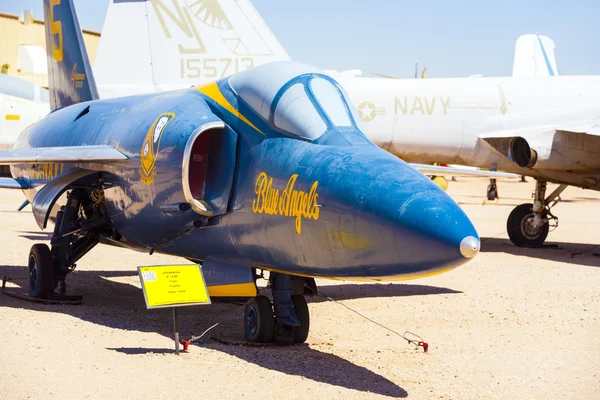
(342, 208)
(443, 120)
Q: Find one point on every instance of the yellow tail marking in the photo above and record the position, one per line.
(212, 91)
(12, 117)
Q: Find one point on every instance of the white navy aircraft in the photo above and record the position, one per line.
(536, 123)
(21, 104)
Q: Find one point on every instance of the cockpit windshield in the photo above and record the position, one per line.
(295, 99)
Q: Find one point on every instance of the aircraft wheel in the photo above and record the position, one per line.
(301, 311)
(42, 279)
(259, 320)
(521, 230)
(441, 182)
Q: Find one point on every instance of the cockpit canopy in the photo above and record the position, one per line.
(296, 99)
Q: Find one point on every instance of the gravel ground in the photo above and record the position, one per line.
(512, 324)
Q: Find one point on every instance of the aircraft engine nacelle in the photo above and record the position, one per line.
(521, 153)
(188, 180)
(515, 148)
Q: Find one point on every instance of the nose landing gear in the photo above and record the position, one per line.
(528, 224)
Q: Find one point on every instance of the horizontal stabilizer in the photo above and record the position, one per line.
(11, 183)
(68, 154)
(460, 171)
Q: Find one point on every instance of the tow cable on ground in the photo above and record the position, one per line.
(415, 340)
(186, 343)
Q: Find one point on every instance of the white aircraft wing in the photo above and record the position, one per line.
(460, 171)
(537, 146)
(588, 128)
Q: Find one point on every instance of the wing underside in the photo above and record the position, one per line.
(460, 171)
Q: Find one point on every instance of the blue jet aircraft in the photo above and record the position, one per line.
(268, 169)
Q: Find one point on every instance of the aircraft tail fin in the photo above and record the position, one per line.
(70, 78)
(172, 44)
(535, 56)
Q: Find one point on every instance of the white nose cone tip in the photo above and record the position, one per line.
(469, 247)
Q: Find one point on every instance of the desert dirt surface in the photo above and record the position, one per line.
(514, 323)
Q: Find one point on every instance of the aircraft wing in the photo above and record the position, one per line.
(460, 171)
(11, 183)
(538, 146)
(589, 128)
(80, 155)
(67, 154)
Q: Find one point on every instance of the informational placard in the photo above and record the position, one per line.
(173, 286)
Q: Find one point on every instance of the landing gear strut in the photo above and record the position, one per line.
(76, 232)
(492, 190)
(287, 319)
(528, 224)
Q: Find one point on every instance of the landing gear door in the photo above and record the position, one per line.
(208, 168)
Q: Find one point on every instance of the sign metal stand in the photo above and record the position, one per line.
(176, 329)
(173, 286)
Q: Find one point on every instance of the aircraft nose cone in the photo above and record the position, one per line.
(469, 247)
(432, 232)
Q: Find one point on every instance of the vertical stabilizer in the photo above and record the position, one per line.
(70, 78)
(535, 56)
(158, 45)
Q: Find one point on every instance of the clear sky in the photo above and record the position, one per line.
(451, 38)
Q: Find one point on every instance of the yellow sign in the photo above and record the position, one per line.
(151, 145)
(173, 285)
(289, 202)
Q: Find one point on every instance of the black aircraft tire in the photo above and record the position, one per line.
(259, 321)
(301, 311)
(42, 279)
(516, 227)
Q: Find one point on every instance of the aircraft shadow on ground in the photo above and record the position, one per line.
(120, 305)
(572, 253)
(318, 366)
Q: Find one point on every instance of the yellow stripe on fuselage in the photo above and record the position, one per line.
(235, 290)
(12, 117)
(402, 277)
(212, 91)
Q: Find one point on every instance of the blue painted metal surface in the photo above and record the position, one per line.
(269, 168)
(546, 60)
(336, 206)
(69, 70)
